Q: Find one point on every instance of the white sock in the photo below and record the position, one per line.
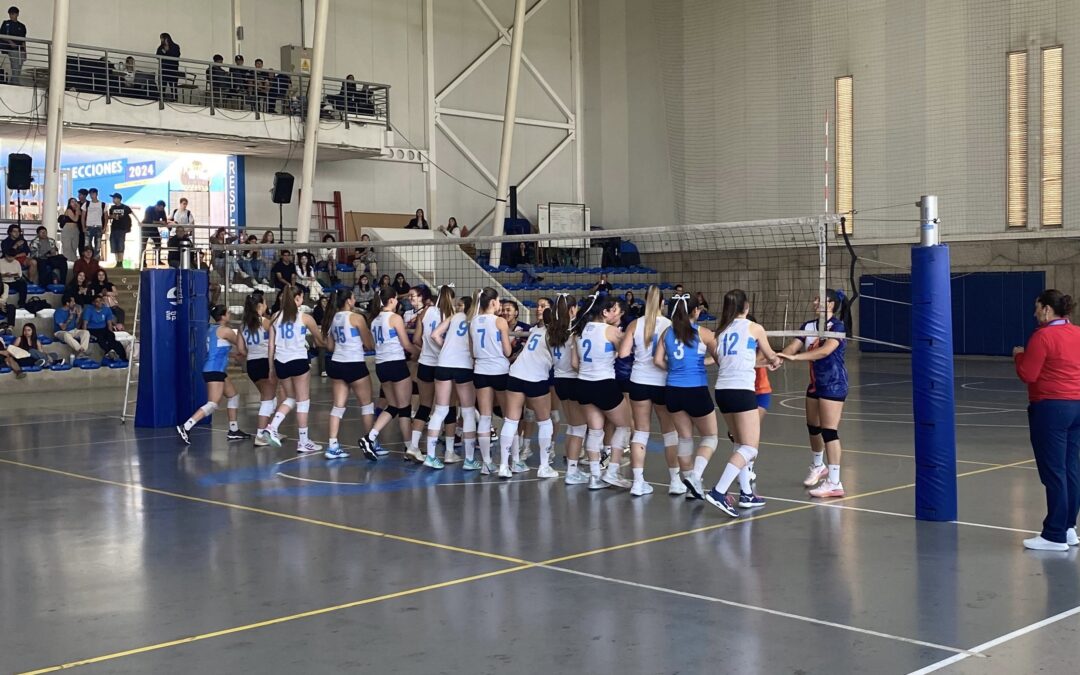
(571, 465)
(731, 472)
(189, 425)
(744, 481)
(485, 446)
(750, 465)
(415, 440)
(449, 444)
(834, 474)
(432, 441)
(234, 426)
(332, 442)
(516, 449)
(526, 444)
(673, 473)
(639, 475)
(303, 434)
(279, 417)
(819, 458)
(373, 435)
(261, 431)
(470, 448)
(699, 466)
(594, 468)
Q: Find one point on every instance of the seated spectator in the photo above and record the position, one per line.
(51, 266)
(419, 222)
(364, 291)
(384, 281)
(283, 273)
(20, 250)
(66, 327)
(400, 286)
(80, 289)
(347, 100)
(671, 301)
(268, 255)
(100, 285)
(524, 263)
(180, 244)
(29, 343)
(327, 260)
(702, 302)
(11, 274)
(252, 266)
(243, 80)
(86, 264)
(603, 287)
(366, 259)
(367, 101)
(305, 275)
(100, 321)
(451, 228)
(10, 361)
(126, 74)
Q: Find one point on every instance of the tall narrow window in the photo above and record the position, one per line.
(1016, 188)
(1051, 136)
(845, 150)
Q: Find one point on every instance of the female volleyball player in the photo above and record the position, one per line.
(255, 331)
(289, 351)
(647, 386)
(348, 338)
(597, 335)
(736, 352)
(528, 384)
(561, 340)
(453, 371)
(220, 339)
(429, 317)
(490, 338)
(392, 349)
(681, 350)
(825, 396)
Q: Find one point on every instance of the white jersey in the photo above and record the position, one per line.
(534, 362)
(645, 369)
(387, 344)
(596, 354)
(290, 339)
(456, 352)
(487, 346)
(737, 350)
(258, 343)
(348, 344)
(429, 351)
(564, 366)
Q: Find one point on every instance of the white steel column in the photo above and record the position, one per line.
(502, 190)
(55, 111)
(311, 126)
(430, 111)
(576, 74)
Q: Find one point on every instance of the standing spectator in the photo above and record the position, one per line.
(120, 218)
(170, 67)
(280, 84)
(66, 327)
(347, 100)
(15, 50)
(83, 195)
(1050, 366)
(153, 220)
(243, 81)
(262, 86)
(70, 226)
(11, 275)
(283, 273)
(180, 244)
(86, 264)
(100, 321)
(419, 222)
(269, 256)
(94, 219)
(217, 80)
(181, 215)
(51, 266)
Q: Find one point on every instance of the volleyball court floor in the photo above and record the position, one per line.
(122, 552)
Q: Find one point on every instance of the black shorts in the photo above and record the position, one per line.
(566, 388)
(530, 389)
(694, 401)
(294, 368)
(648, 392)
(213, 376)
(392, 371)
(346, 371)
(604, 394)
(736, 400)
(837, 396)
(258, 369)
(496, 382)
(624, 385)
(425, 373)
(458, 375)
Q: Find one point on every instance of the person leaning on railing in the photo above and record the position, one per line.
(14, 50)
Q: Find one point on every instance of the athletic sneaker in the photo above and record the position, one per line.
(641, 489)
(237, 435)
(750, 501)
(379, 450)
(414, 455)
(452, 457)
(1070, 537)
(597, 483)
(1040, 544)
(576, 477)
(368, 448)
(722, 502)
(815, 475)
(335, 451)
(487, 468)
(303, 448)
(753, 476)
(494, 435)
(433, 463)
(694, 490)
(546, 471)
(183, 434)
(519, 467)
(615, 480)
(676, 487)
(526, 453)
(605, 457)
(828, 489)
(505, 472)
(260, 440)
(274, 438)
(470, 465)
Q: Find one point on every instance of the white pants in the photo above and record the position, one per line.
(78, 339)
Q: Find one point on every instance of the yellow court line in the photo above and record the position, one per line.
(271, 622)
(265, 512)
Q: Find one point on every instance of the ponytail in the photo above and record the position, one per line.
(841, 307)
(734, 304)
(445, 301)
(558, 322)
(379, 302)
(681, 323)
(653, 301)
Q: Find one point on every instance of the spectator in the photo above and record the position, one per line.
(181, 215)
(269, 256)
(384, 281)
(100, 321)
(243, 80)
(11, 274)
(252, 266)
(218, 258)
(66, 327)
(525, 265)
(14, 49)
(127, 76)
(366, 259)
(305, 275)
(283, 273)
(83, 195)
(93, 221)
(100, 285)
(451, 228)
(702, 302)
(603, 287)
(51, 266)
(363, 292)
(671, 302)
(121, 218)
(70, 222)
(170, 67)
(262, 86)
(10, 361)
(20, 250)
(280, 84)
(217, 80)
(180, 244)
(86, 264)
(347, 100)
(400, 286)
(153, 221)
(80, 289)
(419, 222)
(29, 343)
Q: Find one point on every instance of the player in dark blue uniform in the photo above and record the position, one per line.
(825, 396)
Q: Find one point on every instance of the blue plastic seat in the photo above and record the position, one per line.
(345, 267)
(61, 366)
(56, 288)
(89, 365)
(34, 289)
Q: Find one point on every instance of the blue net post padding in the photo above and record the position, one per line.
(932, 377)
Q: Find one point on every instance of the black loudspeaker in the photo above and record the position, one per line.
(283, 184)
(19, 174)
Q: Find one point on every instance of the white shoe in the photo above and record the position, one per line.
(546, 471)
(274, 438)
(1040, 544)
(519, 467)
(452, 457)
(576, 477)
(414, 455)
(303, 448)
(597, 483)
(260, 440)
(487, 468)
(1070, 537)
(526, 453)
(676, 487)
(641, 489)
(615, 480)
(815, 475)
(505, 472)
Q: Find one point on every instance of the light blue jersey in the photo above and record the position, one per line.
(685, 363)
(217, 351)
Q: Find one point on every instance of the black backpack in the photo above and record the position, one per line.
(36, 304)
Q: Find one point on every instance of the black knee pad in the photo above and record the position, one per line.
(829, 435)
(423, 413)
(394, 411)
(405, 412)
(814, 431)
(451, 416)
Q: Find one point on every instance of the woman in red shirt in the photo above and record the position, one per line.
(1050, 366)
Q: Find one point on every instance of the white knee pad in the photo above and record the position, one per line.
(303, 406)
(509, 428)
(640, 438)
(289, 403)
(594, 438)
(545, 429)
(266, 408)
(576, 431)
(686, 447)
(208, 408)
(438, 417)
(619, 437)
(468, 420)
(368, 409)
(484, 426)
(671, 439)
(234, 402)
(337, 412)
(748, 453)
(710, 441)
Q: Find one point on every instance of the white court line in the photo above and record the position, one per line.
(764, 610)
(970, 386)
(851, 386)
(978, 651)
(984, 411)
